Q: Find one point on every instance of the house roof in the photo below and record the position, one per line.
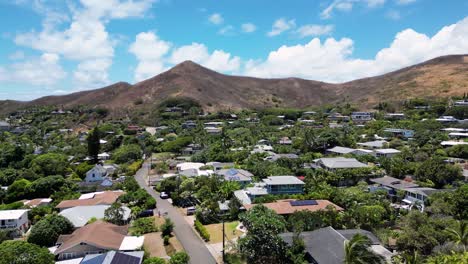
(106, 197)
(37, 201)
(99, 168)
(132, 243)
(114, 257)
(242, 196)
(341, 163)
(80, 215)
(100, 234)
(341, 150)
(189, 165)
(394, 182)
(425, 191)
(288, 206)
(282, 180)
(373, 144)
(387, 151)
(12, 214)
(235, 174)
(326, 245)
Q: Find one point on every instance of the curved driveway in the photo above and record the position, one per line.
(192, 243)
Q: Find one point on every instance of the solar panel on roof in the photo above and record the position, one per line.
(121, 258)
(232, 171)
(303, 203)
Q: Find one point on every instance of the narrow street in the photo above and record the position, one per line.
(193, 245)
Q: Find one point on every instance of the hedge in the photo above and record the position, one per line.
(202, 230)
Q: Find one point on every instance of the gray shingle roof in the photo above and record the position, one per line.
(341, 150)
(341, 163)
(394, 182)
(80, 215)
(280, 180)
(373, 144)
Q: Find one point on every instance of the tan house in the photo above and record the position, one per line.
(96, 198)
(96, 238)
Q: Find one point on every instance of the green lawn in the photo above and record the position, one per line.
(216, 231)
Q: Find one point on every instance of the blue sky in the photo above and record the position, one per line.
(53, 47)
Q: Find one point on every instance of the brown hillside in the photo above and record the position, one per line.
(440, 77)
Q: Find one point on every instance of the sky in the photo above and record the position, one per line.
(53, 47)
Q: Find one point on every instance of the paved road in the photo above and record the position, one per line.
(192, 244)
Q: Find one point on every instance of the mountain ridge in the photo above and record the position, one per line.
(441, 76)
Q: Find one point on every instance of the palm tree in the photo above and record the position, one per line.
(459, 233)
(357, 251)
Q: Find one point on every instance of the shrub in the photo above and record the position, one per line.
(143, 226)
(167, 227)
(201, 229)
(166, 240)
(134, 167)
(179, 258)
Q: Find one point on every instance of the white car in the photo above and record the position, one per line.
(164, 195)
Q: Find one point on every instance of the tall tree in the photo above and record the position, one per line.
(22, 252)
(357, 251)
(94, 145)
(262, 244)
(114, 214)
(459, 234)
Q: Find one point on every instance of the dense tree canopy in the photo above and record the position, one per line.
(22, 252)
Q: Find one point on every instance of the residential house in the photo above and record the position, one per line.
(95, 198)
(401, 133)
(333, 164)
(261, 149)
(4, 126)
(395, 116)
(337, 117)
(340, 150)
(213, 130)
(417, 196)
(114, 257)
(290, 206)
(96, 174)
(376, 144)
(37, 202)
(220, 165)
(451, 143)
(274, 157)
(458, 134)
(104, 156)
(326, 245)
(447, 119)
(80, 215)
(15, 219)
(96, 238)
(191, 149)
(461, 103)
(189, 124)
(387, 153)
(283, 185)
(285, 141)
(392, 185)
(361, 117)
(192, 169)
(241, 176)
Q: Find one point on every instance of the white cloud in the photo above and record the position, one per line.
(149, 50)
(85, 39)
(332, 60)
(248, 27)
(196, 52)
(227, 30)
(405, 2)
(281, 25)
(314, 30)
(44, 70)
(347, 5)
(216, 19)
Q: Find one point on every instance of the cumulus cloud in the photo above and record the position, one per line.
(218, 60)
(248, 27)
(44, 70)
(216, 19)
(314, 30)
(281, 25)
(85, 39)
(332, 60)
(227, 30)
(149, 49)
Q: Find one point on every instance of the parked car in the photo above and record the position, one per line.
(190, 210)
(146, 213)
(164, 195)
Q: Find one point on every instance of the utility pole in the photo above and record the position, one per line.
(224, 235)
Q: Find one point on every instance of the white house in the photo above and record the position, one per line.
(15, 219)
(97, 173)
(387, 153)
